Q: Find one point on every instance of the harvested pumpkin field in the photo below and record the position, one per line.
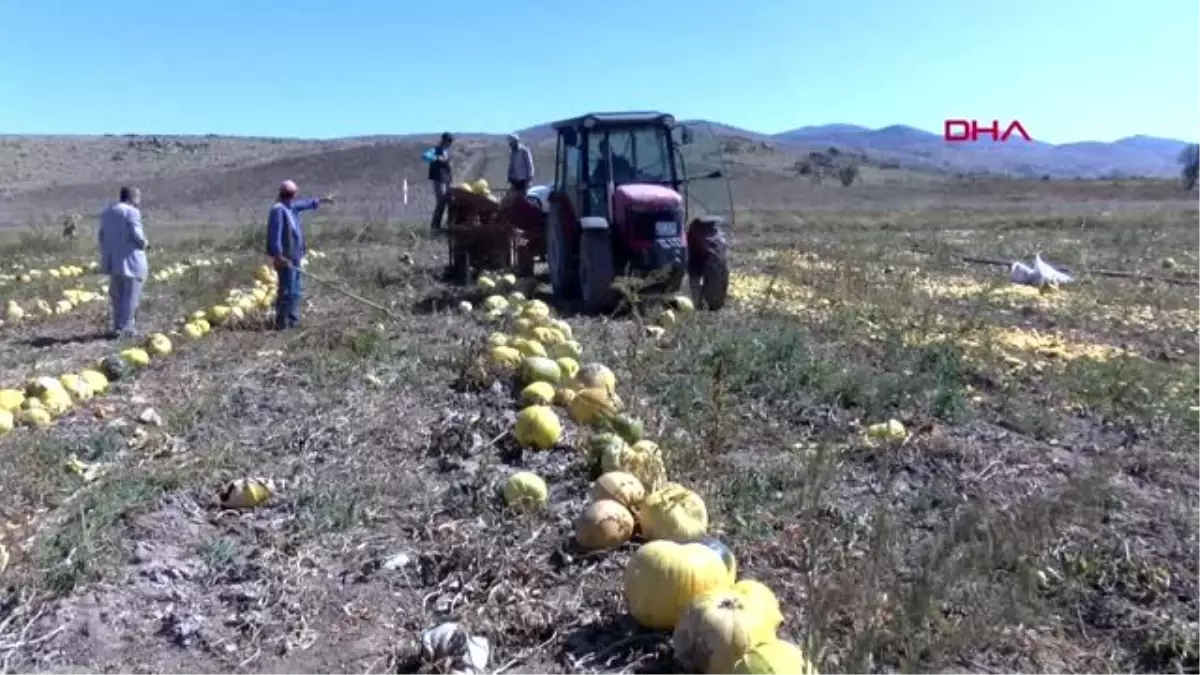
(1030, 507)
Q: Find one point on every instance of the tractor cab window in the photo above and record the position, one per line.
(646, 153)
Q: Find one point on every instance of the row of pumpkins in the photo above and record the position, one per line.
(26, 276)
(681, 579)
(72, 298)
(45, 398)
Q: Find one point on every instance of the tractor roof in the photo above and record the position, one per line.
(603, 119)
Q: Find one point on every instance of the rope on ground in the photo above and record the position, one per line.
(1134, 276)
(332, 286)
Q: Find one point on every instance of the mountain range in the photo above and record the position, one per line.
(910, 147)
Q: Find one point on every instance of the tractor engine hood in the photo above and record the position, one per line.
(539, 196)
(644, 197)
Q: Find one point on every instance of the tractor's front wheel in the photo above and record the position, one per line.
(596, 271)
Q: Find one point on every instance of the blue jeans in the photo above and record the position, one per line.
(287, 298)
(441, 192)
(125, 293)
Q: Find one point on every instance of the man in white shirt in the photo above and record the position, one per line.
(520, 166)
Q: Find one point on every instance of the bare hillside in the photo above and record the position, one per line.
(203, 181)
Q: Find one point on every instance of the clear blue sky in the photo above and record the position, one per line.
(1067, 69)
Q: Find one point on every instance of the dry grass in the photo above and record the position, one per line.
(1040, 517)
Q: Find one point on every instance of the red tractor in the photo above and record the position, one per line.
(622, 203)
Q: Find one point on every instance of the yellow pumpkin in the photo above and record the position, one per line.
(7, 421)
(682, 304)
(36, 417)
(95, 379)
(495, 302)
(717, 629)
(532, 348)
(891, 430)
(563, 397)
(642, 459)
(525, 490)
(620, 487)
(193, 331)
(564, 328)
(538, 427)
(536, 309)
(11, 399)
(540, 369)
(56, 401)
(663, 579)
(504, 360)
(135, 356)
(569, 349)
(548, 336)
(605, 524)
(591, 405)
(498, 340)
(673, 512)
(774, 656)
(246, 493)
(218, 314)
(568, 366)
(41, 387)
(158, 344)
(76, 386)
(762, 597)
(667, 318)
(523, 327)
(538, 393)
(596, 375)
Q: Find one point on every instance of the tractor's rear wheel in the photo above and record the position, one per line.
(715, 282)
(525, 264)
(564, 278)
(596, 271)
(458, 269)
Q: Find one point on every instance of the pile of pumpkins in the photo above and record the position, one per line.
(43, 399)
(480, 187)
(681, 579)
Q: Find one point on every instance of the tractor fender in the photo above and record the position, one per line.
(593, 223)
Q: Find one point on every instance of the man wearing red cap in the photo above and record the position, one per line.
(285, 245)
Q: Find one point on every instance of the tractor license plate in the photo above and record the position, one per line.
(666, 228)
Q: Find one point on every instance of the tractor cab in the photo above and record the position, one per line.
(620, 205)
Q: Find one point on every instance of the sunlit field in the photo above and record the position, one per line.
(254, 501)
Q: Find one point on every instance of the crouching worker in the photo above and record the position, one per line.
(286, 246)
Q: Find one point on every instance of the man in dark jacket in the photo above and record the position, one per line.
(440, 176)
(286, 246)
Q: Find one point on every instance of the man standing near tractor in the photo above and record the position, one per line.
(440, 175)
(520, 166)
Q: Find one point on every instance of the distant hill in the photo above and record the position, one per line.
(208, 178)
(1133, 156)
(918, 149)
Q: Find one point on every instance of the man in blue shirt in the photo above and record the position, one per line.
(285, 245)
(440, 176)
